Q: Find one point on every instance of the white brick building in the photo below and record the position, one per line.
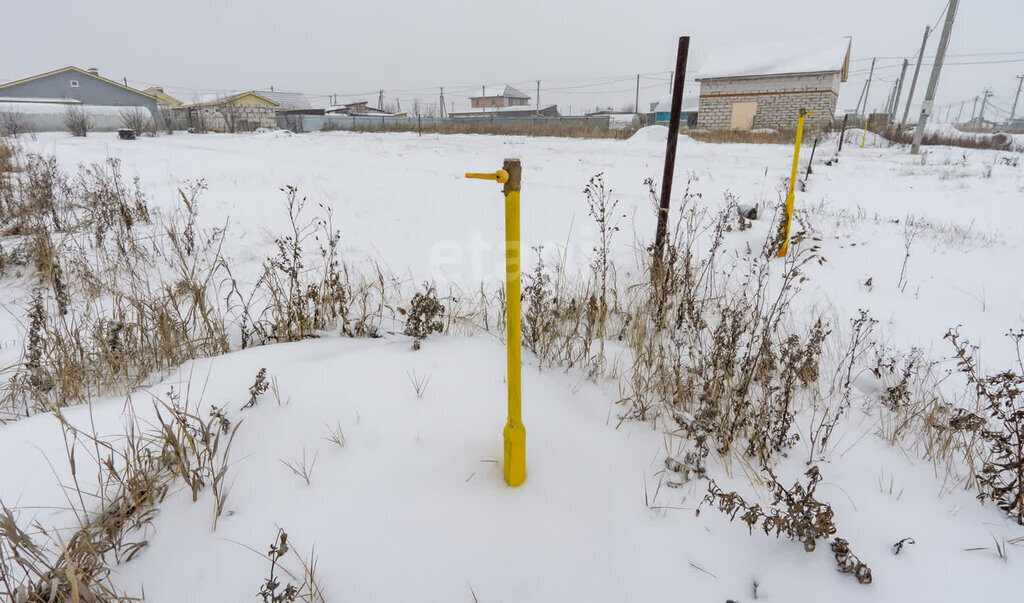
(767, 86)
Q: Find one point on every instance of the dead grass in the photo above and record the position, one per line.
(511, 128)
(965, 140)
(783, 136)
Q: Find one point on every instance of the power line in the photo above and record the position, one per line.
(896, 65)
(931, 56)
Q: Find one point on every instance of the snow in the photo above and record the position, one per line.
(776, 58)
(414, 507)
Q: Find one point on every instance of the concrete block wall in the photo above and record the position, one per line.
(779, 100)
(245, 118)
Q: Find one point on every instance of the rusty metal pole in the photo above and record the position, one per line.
(670, 155)
(842, 133)
(813, 149)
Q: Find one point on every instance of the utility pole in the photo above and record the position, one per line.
(443, 112)
(860, 98)
(380, 100)
(899, 91)
(986, 93)
(889, 99)
(974, 110)
(913, 80)
(867, 89)
(960, 112)
(636, 103)
(1013, 111)
(538, 98)
(933, 82)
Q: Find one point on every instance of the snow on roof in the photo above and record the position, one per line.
(776, 58)
(664, 105)
(287, 101)
(215, 98)
(62, 101)
(59, 107)
(507, 91)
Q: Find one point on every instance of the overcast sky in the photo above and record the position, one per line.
(585, 52)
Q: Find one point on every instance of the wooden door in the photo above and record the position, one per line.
(743, 115)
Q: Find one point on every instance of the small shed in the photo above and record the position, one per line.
(766, 85)
(240, 112)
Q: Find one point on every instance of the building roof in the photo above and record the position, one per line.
(162, 97)
(664, 105)
(779, 58)
(80, 72)
(286, 101)
(507, 91)
(219, 99)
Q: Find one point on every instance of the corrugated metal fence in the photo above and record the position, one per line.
(317, 123)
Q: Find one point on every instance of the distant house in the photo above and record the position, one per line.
(766, 86)
(357, 109)
(241, 112)
(688, 113)
(74, 86)
(290, 102)
(508, 112)
(162, 98)
(494, 98)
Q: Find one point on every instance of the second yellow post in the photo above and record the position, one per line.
(787, 219)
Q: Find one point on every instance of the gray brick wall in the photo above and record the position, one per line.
(779, 100)
(213, 118)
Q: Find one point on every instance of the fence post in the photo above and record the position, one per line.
(809, 162)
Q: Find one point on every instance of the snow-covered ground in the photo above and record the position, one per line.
(414, 507)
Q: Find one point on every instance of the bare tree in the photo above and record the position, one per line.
(167, 115)
(76, 121)
(230, 113)
(138, 119)
(423, 109)
(12, 123)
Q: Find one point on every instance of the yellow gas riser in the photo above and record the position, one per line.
(787, 219)
(514, 433)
